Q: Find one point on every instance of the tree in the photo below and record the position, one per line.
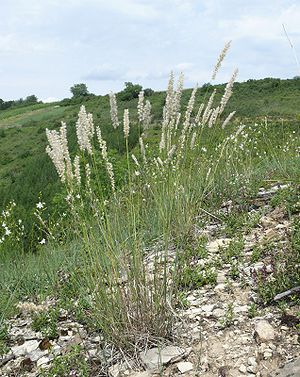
(79, 90)
(148, 92)
(31, 99)
(131, 91)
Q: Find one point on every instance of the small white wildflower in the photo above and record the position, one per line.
(39, 205)
(7, 231)
(42, 242)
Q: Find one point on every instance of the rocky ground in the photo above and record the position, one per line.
(222, 331)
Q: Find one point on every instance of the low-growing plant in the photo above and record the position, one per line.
(283, 272)
(257, 253)
(228, 319)
(72, 363)
(46, 323)
(288, 198)
(234, 272)
(233, 251)
(253, 310)
(3, 339)
(194, 277)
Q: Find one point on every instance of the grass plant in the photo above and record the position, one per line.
(130, 199)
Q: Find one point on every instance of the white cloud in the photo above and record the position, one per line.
(105, 72)
(54, 43)
(19, 44)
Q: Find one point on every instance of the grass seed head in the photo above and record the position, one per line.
(126, 123)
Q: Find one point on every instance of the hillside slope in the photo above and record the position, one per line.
(25, 169)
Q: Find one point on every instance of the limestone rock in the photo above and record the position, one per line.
(43, 361)
(243, 369)
(145, 373)
(185, 366)
(291, 369)
(25, 348)
(154, 358)
(215, 245)
(264, 331)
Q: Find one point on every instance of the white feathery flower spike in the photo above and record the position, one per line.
(77, 170)
(126, 123)
(85, 130)
(59, 153)
(220, 59)
(113, 110)
(228, 91)
(147, 115)
(140, 106)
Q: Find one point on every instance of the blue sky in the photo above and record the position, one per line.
(48, 45)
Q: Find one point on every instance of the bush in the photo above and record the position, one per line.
(131, 91)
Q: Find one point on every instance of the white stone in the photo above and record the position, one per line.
(268, 353)
(252, 369)
(243, 368)
(252, 361)
(240, 309)
(185, 366)
(195, 311)
(37, 354)
(219, 313)
(208, 308)
(264, 331)
(25, 348)
(221, 277)
(43, 361)
(154, 358)
(215, 245)
(291, 369)
(141, 374)
(220, 287)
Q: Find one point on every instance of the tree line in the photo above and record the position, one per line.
(29, 100)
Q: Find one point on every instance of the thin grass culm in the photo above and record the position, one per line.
(130, 236)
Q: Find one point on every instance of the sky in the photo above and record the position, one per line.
(46, 46)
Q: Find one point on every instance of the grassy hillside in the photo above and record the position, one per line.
(148, 227)
(25, 169)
